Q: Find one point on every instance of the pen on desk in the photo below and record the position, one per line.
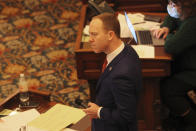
(139, 23)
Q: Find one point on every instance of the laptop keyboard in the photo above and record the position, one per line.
(145, 37)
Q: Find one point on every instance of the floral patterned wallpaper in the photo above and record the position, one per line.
(37, 38)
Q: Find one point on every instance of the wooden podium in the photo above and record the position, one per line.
(43, 99)
(89, 67)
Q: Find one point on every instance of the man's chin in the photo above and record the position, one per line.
(95, 51)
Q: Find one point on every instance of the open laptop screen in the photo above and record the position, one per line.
(131, 28)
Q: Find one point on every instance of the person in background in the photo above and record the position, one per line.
(120, 83)
(179, 30)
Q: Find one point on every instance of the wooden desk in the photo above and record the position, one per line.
(43, 98)
(89, 67)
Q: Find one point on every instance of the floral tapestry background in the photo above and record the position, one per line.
(37, 38)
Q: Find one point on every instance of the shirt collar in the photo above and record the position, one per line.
(113, 54)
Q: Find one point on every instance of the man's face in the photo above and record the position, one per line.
(98, 36)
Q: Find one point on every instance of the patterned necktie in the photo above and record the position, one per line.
(104, 65)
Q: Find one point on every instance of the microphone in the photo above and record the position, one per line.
(79, 102)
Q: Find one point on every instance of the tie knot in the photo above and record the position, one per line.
(104, 65)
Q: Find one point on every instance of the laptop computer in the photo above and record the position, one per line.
(144, 37)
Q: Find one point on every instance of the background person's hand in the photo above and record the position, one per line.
(162, 32)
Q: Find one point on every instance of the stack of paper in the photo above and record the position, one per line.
(15, 122)
(57, 118)
(5, 112)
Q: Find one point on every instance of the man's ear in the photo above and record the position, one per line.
(110, 35)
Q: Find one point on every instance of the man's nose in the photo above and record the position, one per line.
(91, 39)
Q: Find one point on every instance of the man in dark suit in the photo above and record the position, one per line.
(119, 85)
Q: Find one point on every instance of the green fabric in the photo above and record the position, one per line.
(171, 23)
(182, 45)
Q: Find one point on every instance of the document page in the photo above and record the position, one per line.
(5, 112)
(14, 122)
(144, 51)
(57, 118)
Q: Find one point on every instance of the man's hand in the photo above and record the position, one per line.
(92, 110)
(162, 32)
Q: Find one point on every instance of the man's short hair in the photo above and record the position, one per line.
(110, 22)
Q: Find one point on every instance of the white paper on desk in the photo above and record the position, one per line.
(30, 128)
(135, 18)
(147, 25)
(14, 122)
(86, 30)
(4, 127)
(144, 51)
(57, 118)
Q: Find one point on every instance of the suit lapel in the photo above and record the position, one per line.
(110, 67)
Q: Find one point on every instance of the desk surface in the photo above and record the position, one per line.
(40, 97)
(44, 104)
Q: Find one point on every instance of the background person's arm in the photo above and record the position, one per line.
(182, 39)
(170, 24)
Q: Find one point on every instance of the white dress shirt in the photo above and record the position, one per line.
(113, 54)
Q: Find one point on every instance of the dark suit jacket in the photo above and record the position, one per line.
(117, 92)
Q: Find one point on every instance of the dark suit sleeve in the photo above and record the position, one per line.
(123, 89)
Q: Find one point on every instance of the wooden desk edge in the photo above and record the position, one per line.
(43, 93)
(10, 97)
(166, 57)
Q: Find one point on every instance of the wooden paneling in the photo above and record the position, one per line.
(138, 5)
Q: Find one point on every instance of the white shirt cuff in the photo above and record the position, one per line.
(98, 112)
